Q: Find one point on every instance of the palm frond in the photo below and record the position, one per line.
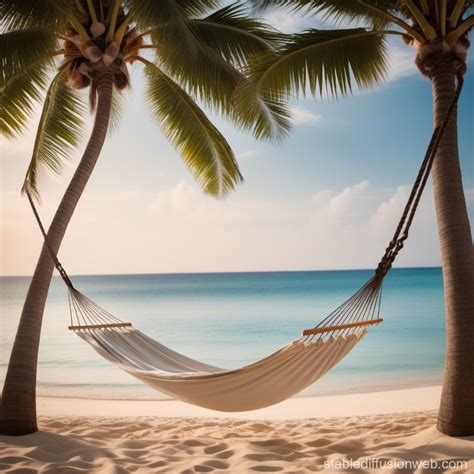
(116, 111)
(323, 61)
(203, 74)
(22, 49)
(58, 131)
(152, 13)
(168, 15)
(169, 28)
(25, 61)
(213, 81)
(263, 112)
(23, 14)
(236, 36)
(197, 8)
(372, 13)
(18, 99)
(204, 150)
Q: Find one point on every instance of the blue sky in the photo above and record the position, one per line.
(329, 196)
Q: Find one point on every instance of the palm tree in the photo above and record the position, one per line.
(317, 61)
(53, 48)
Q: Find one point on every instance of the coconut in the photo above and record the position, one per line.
(97, 29)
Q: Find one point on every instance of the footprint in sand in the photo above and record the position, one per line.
(260, 427)
(217, 464)
(203, 468)
(225, 454)
(193, 442)
(319, 443)
(216, 448)
(211, 465)
(133, 444)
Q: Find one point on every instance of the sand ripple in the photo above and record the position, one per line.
(124, 445)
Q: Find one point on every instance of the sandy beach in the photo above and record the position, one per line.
(390, 431)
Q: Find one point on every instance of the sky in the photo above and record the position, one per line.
(327, 197)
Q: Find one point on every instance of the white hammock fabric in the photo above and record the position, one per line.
(263, 383)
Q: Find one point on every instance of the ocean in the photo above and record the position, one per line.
(232, 319)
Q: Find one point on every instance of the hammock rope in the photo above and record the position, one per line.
(272, 379)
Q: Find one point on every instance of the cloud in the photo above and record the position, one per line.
(179, 229)
(182, 199)
(303, 116)
(401, 62)
(248, 154)
(388, 211)
(288, 21)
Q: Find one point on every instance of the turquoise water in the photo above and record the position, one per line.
(231, 319)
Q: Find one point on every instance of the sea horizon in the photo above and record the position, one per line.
(218, 272)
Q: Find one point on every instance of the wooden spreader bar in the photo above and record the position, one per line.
(309, 332)
(100, 326)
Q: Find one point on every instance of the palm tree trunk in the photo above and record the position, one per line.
(18, 403)
(456, 413)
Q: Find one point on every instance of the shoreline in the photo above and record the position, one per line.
(307, 393)
(297, 408)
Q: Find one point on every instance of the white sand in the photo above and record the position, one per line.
(300, 435)
(393, 401)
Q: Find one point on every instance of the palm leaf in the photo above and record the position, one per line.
(204, 150)
(167, 15)
(323, 61)
(234, 35)
(58, 131)
(18, 98)
(204, 74)
(186, 51)
(25, 60)
(170, 30)
(116, 111)
(20, 50)
(212, 80)
(372, 13)
(263, 112)
(197, 8)
(23, 14)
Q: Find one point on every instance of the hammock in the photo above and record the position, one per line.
(265, 382)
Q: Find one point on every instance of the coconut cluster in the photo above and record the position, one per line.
(82, 58)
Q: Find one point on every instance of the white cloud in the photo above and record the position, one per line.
(179, 229)
(182, 199)
(402, 62)
(248, 154)
(303, 116)
(288, 21)
(390, 210)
